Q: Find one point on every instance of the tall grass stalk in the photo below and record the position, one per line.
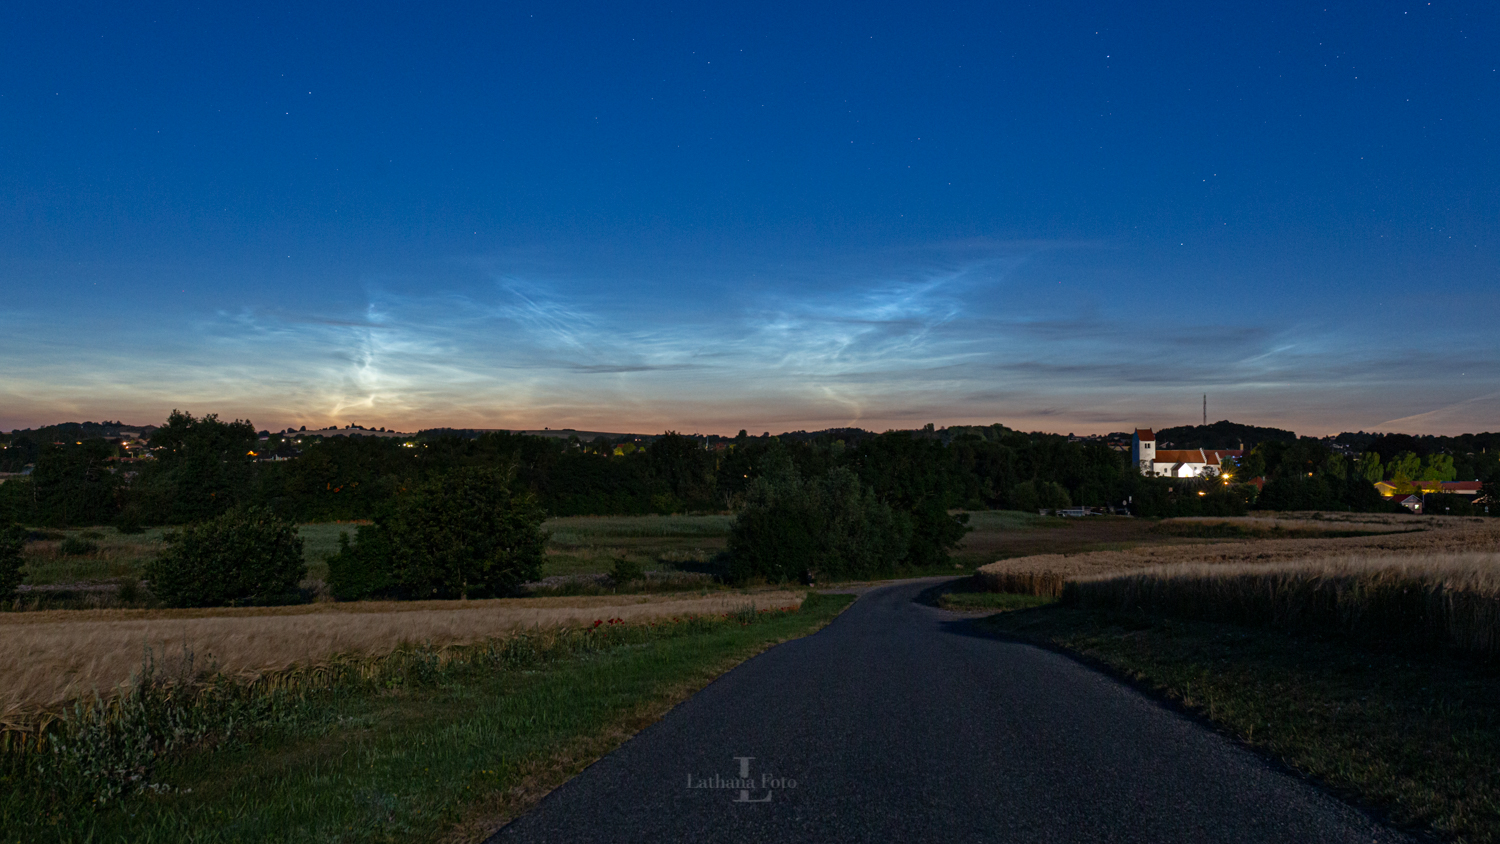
(1043, 584)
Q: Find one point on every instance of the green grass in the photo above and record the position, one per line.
(578, 545)
(578, 529)
(996, 520)
(1414, 735)
(318, 541)
(591, 544)
(419, 753)
(1002, 601)
(116, 555)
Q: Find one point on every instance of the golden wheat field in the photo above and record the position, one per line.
(1394, 535)
(1451, 600)
(51, 657)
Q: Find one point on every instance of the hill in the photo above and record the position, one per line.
(1223, 434)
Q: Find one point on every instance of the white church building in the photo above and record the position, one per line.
(1175, 463)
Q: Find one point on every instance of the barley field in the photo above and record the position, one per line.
(1386, 535)
(50, 657)
(1446, 600)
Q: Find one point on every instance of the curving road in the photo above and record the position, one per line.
(896, 723)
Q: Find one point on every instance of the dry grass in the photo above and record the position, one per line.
(47, 658)
(1045, 574)
(1278, 527)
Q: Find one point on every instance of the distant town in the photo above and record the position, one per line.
(1414, 472)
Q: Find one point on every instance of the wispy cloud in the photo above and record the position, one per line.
(962, 335)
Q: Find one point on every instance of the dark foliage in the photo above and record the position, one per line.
(202, 467)
(626, 570)
(74, 484)
(1173, 497)
(916, 478)
(1443, 504)
(466, 533)
(247, 555)
(12, 539)
(1223, 434)
(1388, 446)
(340, 478)
(205, 466)
(18, 502)
(361, 569)
(832, 527)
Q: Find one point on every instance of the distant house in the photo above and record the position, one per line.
(1468, 488)
(1176, 463)
(1412, 502)
(1415, 492)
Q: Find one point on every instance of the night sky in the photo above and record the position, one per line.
(1076, 217)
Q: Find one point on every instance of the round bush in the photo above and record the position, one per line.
(832, 527)
(246, 556)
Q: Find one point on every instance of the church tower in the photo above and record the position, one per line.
(1143, 450)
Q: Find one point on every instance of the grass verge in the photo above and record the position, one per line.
(1001, 601)
(421, 746)
(1415, 737)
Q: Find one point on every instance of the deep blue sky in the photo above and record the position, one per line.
(1060, 216)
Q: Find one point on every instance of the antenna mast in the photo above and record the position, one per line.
(1205, 410)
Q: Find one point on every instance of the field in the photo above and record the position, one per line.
(579, 545)
(392, 685)
(1361, 653)
(1367, 536)
(1412, 734)
(418, 745)
(49, 657)
(591, 544)
(118, 556)
(98, 567)
(1437, 601)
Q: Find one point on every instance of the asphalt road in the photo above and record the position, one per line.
(896, 723)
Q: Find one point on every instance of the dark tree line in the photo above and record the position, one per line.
(202, 467)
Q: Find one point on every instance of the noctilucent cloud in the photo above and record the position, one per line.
(1059, 216)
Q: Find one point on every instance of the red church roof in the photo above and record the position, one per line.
(1211, 456)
